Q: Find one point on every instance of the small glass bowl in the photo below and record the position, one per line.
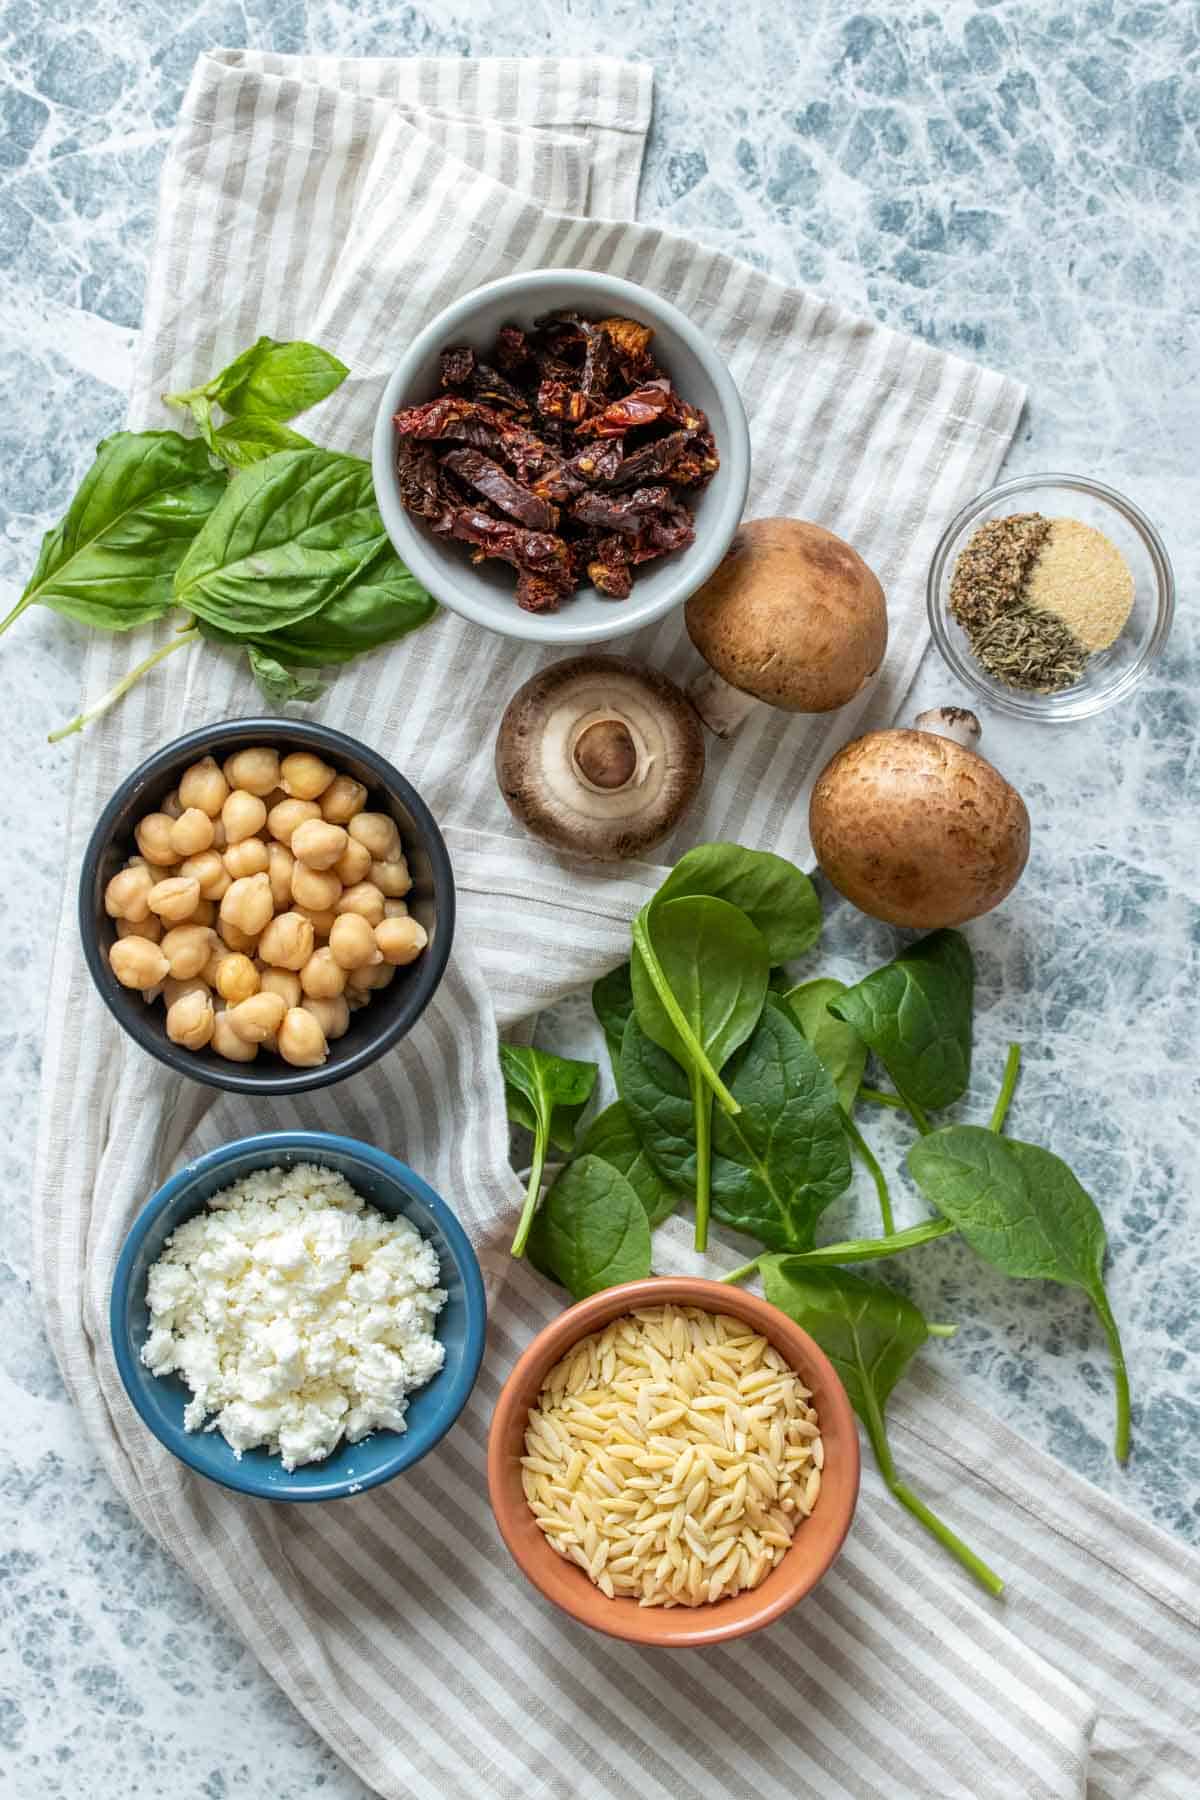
(1109, 674)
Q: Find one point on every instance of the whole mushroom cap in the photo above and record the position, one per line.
(792, 615)
(917, 830)
(599, 756)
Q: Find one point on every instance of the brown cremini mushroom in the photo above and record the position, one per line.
(598, 756)
(917, 829)
(792, 616)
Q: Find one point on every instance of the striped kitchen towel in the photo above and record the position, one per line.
(348, 202)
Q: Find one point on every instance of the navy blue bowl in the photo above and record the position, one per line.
(351, 1468)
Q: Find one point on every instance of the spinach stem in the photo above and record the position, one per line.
(877, 1175)
(742, 1274)
(916, 1506)
(123, 686)
(532, 1193)
(877, 1097)
(1012, 1068)
(702, 1102)
(1120, 1373)
(918, 1116)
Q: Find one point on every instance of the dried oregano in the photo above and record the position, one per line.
(1017, 643)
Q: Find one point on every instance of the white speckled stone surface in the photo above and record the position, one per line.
(1018, 181)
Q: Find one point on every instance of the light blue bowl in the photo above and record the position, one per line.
(351, 1468)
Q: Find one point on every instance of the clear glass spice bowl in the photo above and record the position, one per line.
(1110, 674)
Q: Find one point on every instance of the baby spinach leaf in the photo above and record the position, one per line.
(1021, 1209)
(612, 1003)
(773, 893)
(240, 442)
(837, 1044)
(613, 1138)
(592, 1231)
(277, 683)
(699, 973)
(546, 1094)
(779, 1161)
(870, 1334)
(915, 1014)
(658, 1096)
(111, 562)
(287, 536)
(275, 380)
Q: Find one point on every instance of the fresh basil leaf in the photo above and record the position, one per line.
(277, 683)
(546, 1091)
(915, 1014)
(272, 378)
(1022, 1209)
(612, 1003)
(774, 894)
(838, 1045)
(288, 535)
(591, 1232)
(783, 1158)
(241, 442)
(613, 1137)
(658, 1096)
(111, 562)
(382, 603)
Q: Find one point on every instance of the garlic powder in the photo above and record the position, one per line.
(296, 1313)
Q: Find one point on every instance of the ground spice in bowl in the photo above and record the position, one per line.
(1036, 597)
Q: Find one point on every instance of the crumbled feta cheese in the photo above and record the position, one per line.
(296, 1314)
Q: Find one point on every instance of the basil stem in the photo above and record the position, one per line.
(123, 686)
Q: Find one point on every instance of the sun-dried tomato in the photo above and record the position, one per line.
(498, 486)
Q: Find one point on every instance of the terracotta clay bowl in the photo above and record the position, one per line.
(817, 1541)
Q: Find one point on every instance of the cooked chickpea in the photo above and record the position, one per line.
(245, 943)
(127, 894)
(242, 815)
(203, 913)
(322, 978)
(258, 1017)
(187, 949)
(191, 833)
(230, 1043)
(401, 940)
(255, 771)
(150, 928)
(284, 982)
(174, 989)
(318, 844)
(320, 918)
(364, 898)
(283, 819)
(210, 872)
(354, 864)
(172, 805)
(395, 909)
(174, 899)
(304, 776)
(190, 1020)
(301, 1040)
(342, 799)
(249, 904)
(279, 868)
(378, 832)
(367, 980)
(287, 943)
(236, 979)
(220, 841)
(203, 785)
(314, 888)
(137, 963)
(352, 942)
(333, 1016)
(153, 834)
(392, 878)
(247, 857)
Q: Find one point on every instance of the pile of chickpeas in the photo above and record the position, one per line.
(264, 905)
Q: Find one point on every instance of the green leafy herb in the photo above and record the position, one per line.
(546, 1094)
(592, 1231)
(700, 973)
(915, 1014)
(870, 1334)
(659, 1098)
(111, 562)
(613, 1137)
(275, 380)
(783, 1157)
(1021, 1209)
(837, 1044)
(276, 682)
(774, 894)
(612, 1003)
(240, 442)
(382, 603)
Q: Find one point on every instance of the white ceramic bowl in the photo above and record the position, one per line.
(484, 592)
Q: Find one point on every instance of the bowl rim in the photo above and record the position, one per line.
(693, 566)
(1034, 706)
(237, 1078)
(578, 1321)
(463, 1377)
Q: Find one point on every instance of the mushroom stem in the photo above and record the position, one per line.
(721, 706)
(957, 723)
(608, 751)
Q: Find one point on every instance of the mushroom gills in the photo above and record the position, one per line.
(619, 734)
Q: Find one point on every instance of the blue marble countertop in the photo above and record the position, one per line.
(1018, 181)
